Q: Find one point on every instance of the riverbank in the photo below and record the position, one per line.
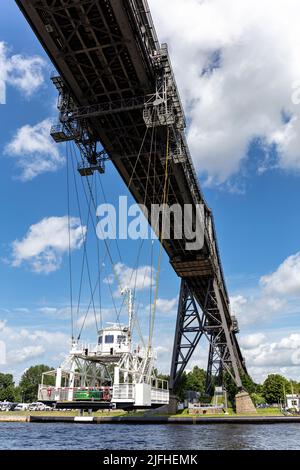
(117, 417)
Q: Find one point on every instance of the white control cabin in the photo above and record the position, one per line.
(113, 340)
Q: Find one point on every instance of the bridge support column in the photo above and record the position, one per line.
(244, 404)
(189, 329)
(211, 321)
(172, 407)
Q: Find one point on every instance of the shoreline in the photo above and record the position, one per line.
(146, 420)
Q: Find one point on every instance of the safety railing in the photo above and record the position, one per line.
(159, 396)
(123, 392)
(67, 394)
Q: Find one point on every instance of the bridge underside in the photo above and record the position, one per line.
(104, 52)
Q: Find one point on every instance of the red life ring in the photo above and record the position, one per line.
(49, 392)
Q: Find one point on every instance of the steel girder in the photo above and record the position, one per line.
(192, 323)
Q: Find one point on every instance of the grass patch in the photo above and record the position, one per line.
(230, 413)
(269, 412)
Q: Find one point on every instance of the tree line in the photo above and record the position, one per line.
(272, 390)
(27, 390)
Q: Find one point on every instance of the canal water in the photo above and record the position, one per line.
(33, 436)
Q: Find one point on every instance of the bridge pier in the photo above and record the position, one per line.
(244, 404)
(173, 405)
(171, 408)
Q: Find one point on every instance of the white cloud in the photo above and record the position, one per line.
(292, 342)
(286, 279)
(48, 310)
(276, 293)
(238, 302)
(59, 313)
(46, 242)
(259, 307)
(139, 278)
(34, 150)
(252, 341)
(89, 320)
(29, 346)
(264, 357)
(166, 305)
(24, 354)
(24, 73)
(235, 71)
(48, 338)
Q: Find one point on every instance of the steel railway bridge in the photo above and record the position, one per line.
(116, 82)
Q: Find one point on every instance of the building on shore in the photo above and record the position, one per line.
(293, 401)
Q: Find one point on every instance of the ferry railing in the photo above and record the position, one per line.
(123, 392)
(160, 396)
(66, 394)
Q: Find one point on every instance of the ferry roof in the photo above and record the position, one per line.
(114, 327)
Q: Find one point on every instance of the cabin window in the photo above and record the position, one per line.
(121, 339)
(109, 339)
(100, 340)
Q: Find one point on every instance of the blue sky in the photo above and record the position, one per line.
(249, 173)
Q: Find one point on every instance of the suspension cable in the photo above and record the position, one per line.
(85, 254)
(105, 242)
(165, 199)
(69, 242)
(105, 200)
(92, 199)
(99, 267)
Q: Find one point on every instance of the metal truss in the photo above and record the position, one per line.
(210, 322)
(104, 109)
(189, 329)
(164, 107)
(73, 126)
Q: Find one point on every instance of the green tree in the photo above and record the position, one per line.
(18, 394)
(7, 387)
(195, 380)
(259, 389)
(230, 388)
(248, 384)
(295, 386)
(258, 399)
(30, 381)
(275, 387)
